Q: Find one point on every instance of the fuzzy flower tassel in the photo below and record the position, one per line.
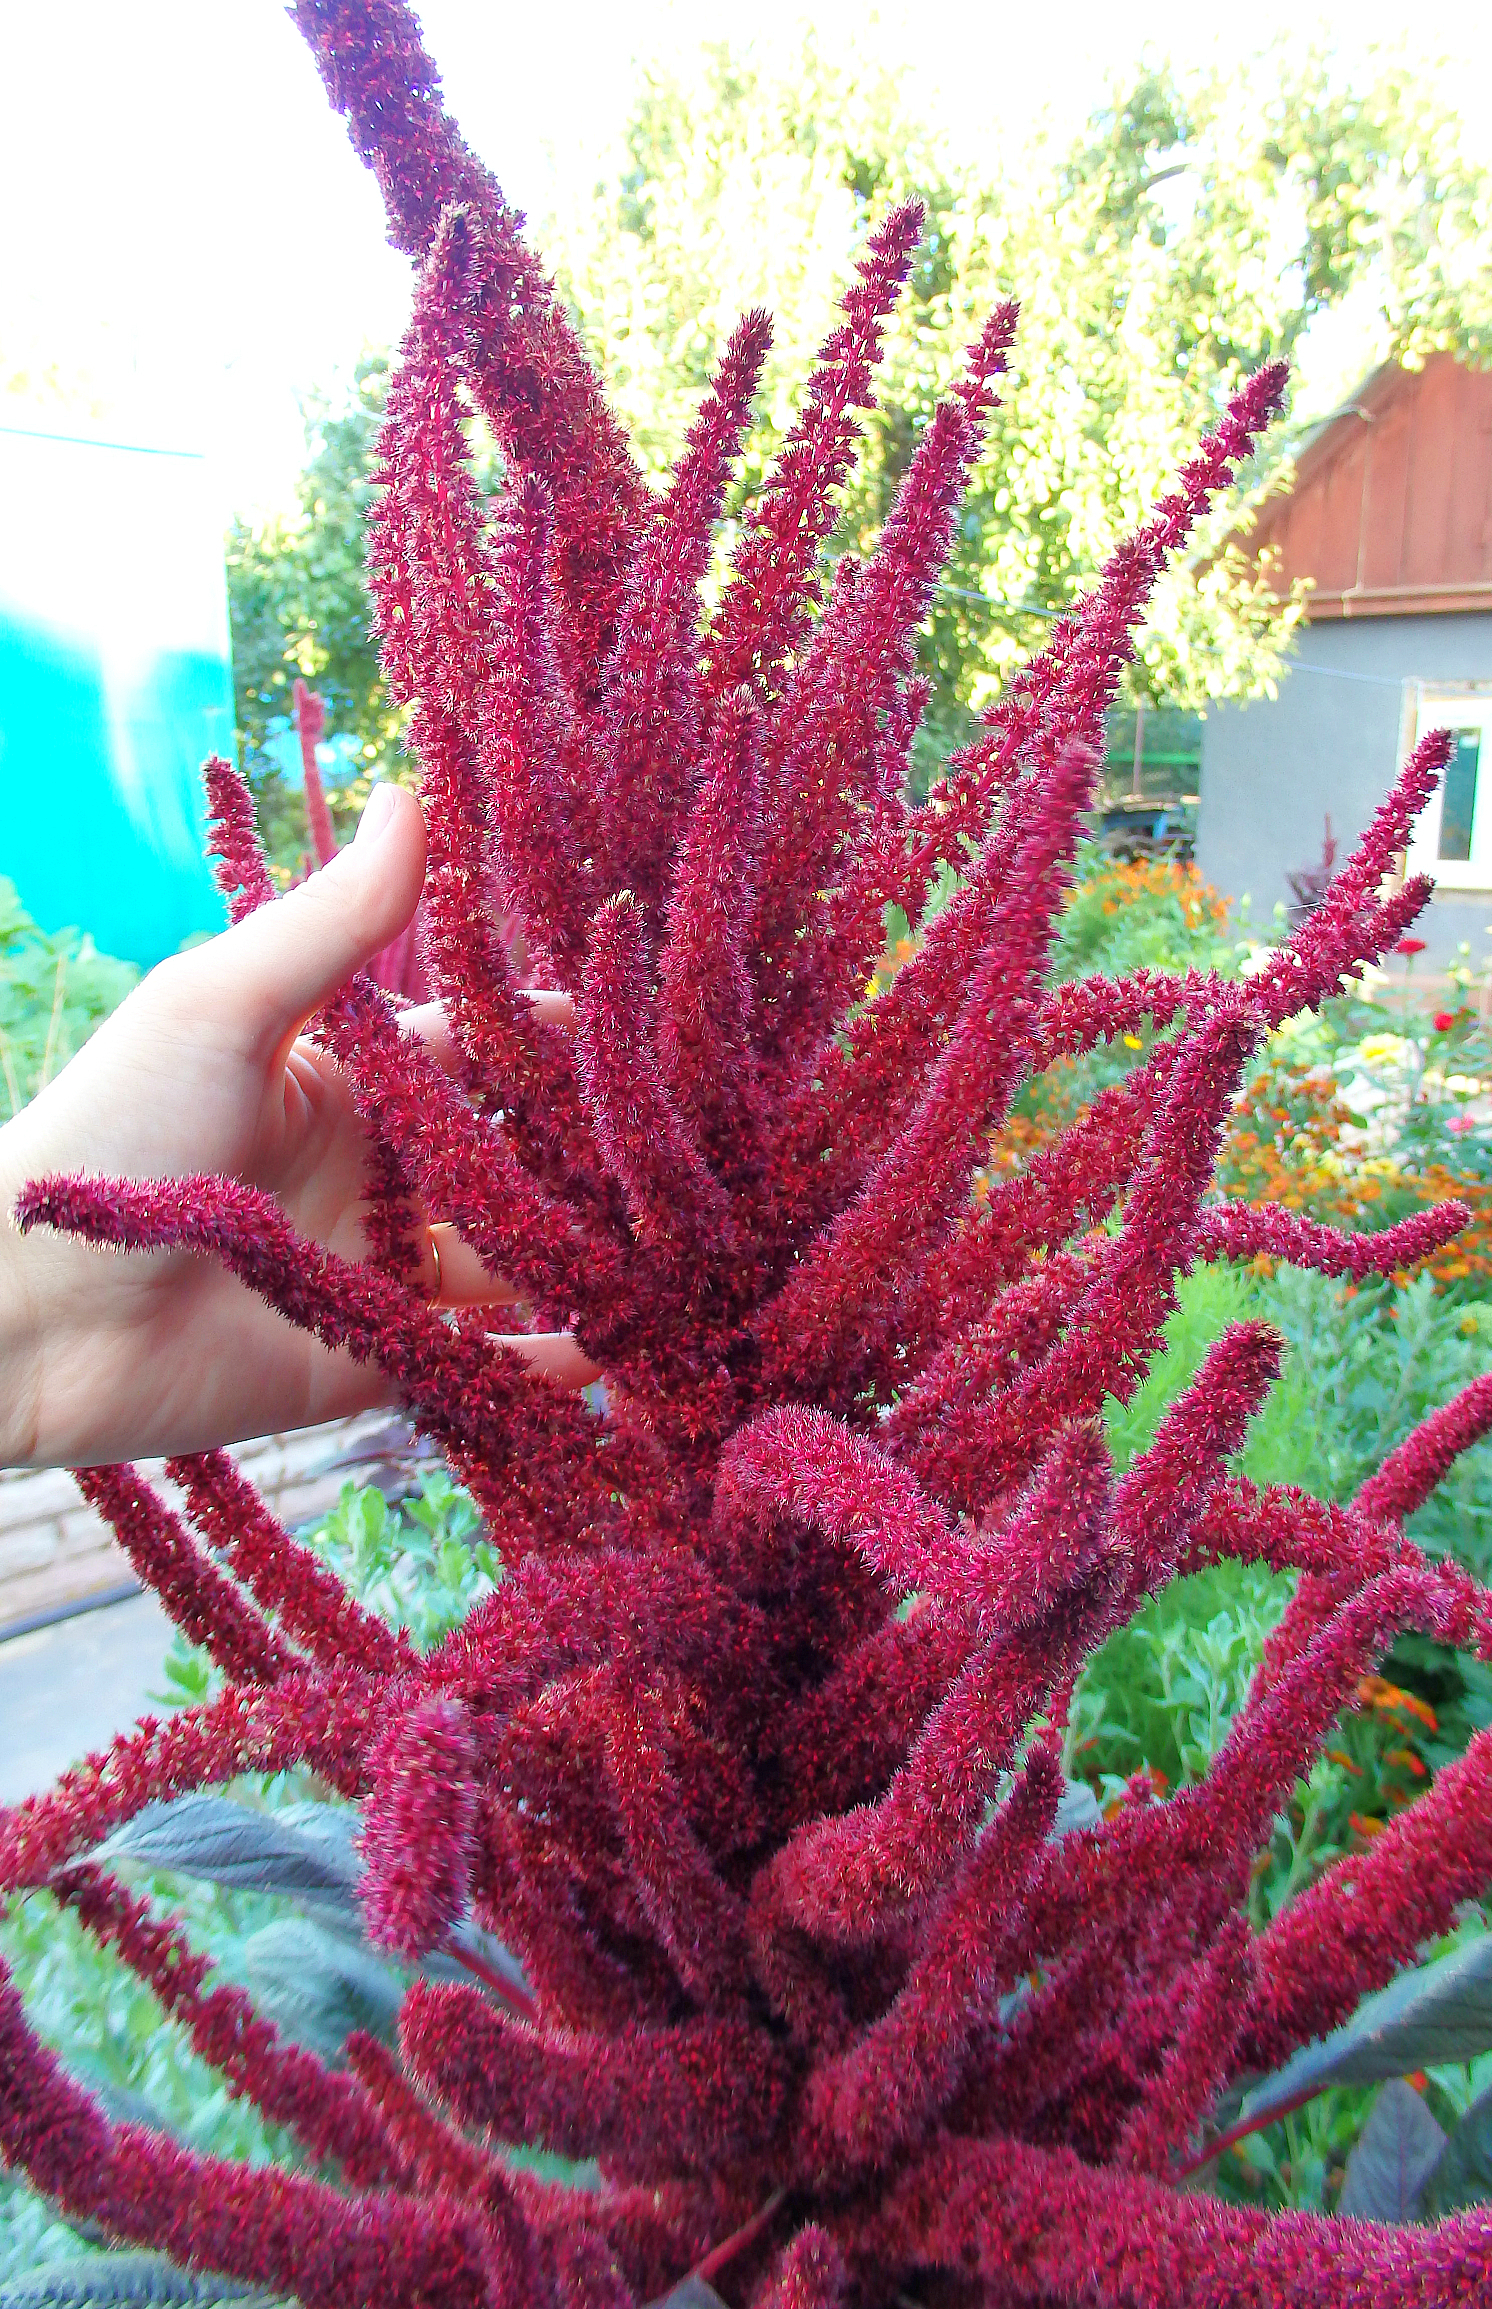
(751, 1761)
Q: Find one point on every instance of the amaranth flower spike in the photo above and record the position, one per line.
(752, 1758)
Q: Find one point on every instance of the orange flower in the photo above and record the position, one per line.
(1377, 1692)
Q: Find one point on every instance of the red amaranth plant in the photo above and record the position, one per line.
(752, 1759)
(398, 967)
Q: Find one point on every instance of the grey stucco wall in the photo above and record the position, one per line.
(1272, 770)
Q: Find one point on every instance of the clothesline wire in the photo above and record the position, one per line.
(1340, 673)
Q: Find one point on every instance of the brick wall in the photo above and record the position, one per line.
(55, 1551)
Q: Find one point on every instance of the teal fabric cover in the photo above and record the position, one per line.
(115, 683)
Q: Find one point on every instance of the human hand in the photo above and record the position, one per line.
(107, 1356)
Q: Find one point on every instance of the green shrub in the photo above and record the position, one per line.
(55, 988)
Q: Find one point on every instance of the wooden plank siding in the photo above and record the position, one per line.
(1391, 513)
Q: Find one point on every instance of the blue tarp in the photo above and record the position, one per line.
(114, 684)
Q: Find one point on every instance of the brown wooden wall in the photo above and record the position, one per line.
(1392, 507)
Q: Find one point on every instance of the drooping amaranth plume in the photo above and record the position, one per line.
(752, 1760)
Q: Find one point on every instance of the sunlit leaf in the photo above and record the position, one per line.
(1437, 2012)
(125, 2281)
(306, 1852)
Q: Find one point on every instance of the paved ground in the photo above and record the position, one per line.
(69, 1688)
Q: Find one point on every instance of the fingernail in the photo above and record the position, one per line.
(377, 811)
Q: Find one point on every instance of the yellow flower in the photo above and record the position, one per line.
(1376, 1049)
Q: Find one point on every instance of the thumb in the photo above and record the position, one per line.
(285, 960)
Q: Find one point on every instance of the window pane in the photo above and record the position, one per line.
(1460, 796)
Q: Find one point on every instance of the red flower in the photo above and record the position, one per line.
(753, 1758)
(1445, 1020)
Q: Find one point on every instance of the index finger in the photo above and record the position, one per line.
(429, 1021)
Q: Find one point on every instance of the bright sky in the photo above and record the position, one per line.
(189, 239)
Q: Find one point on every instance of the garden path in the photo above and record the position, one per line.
(66, 1689)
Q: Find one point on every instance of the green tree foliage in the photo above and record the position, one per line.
(55, 988)
(1195, 228)
(298, 606)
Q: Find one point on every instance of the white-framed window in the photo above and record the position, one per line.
(1452, 836)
